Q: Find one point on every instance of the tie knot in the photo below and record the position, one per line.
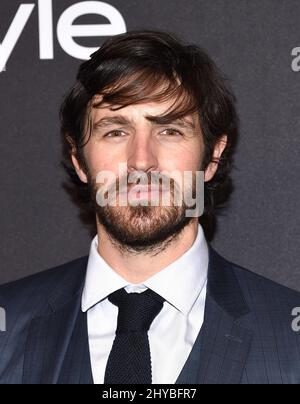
(136, 310)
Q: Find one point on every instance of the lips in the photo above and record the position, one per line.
(142, 189)
(143, 193)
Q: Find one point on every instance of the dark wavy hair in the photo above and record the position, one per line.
(154, 66)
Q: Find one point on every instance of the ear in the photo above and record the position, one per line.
(80, 172)
(213, 165)
(77, 166)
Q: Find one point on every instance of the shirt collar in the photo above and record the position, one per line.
(179, 284)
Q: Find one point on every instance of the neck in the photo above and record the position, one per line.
(137, 268)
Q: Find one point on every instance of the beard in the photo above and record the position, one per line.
(142, 229)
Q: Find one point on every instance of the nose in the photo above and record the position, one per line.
(142, 155)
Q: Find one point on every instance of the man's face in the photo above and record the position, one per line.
(127, 136)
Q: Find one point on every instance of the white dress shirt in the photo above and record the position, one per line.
(173, 332)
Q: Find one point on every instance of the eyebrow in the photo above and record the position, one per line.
(155, 120)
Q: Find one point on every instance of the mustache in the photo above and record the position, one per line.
(128, 182)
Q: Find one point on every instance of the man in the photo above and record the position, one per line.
(153, 302)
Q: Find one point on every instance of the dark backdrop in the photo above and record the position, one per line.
(255, 42)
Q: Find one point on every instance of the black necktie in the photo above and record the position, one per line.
(129, 361)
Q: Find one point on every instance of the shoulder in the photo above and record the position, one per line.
(33, 291)
(272, 306)
(258, 289)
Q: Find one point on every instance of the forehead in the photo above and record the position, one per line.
(140, 111)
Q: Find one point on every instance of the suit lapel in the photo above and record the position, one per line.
(49, 335)
(220, 352)
(77, 368)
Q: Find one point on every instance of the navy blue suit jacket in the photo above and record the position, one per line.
(247, 336)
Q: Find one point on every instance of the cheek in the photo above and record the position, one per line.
(185, 158)
(100, 159)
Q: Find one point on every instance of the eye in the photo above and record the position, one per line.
(114, 133)
(172, 132)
